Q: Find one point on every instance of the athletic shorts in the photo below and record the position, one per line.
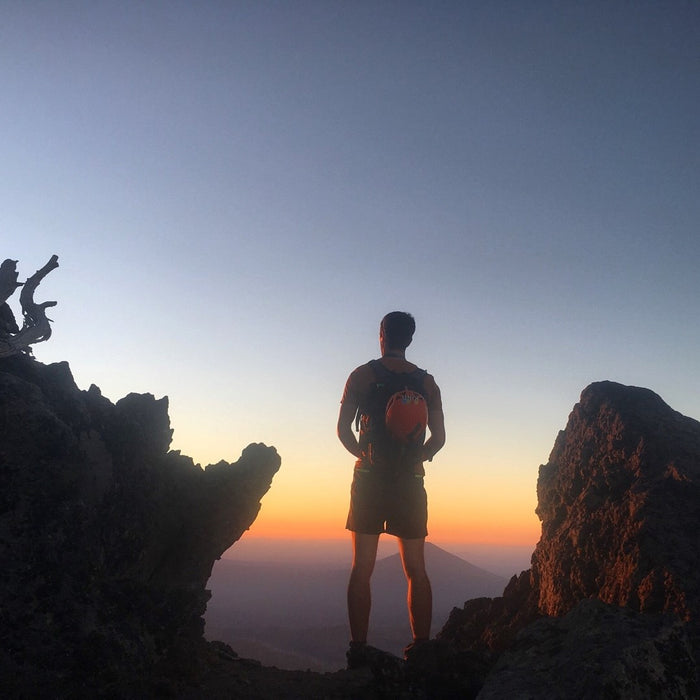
(397, 506)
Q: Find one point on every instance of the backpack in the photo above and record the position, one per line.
(392, 420)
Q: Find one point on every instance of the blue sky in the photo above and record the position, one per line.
(238, 191)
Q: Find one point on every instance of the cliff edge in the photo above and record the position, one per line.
(107, 537)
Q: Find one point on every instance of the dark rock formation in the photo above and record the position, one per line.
(596, 651)
(619, 502)
(489, 625)
(107, 539)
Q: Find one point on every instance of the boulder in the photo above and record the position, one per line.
(619, 501)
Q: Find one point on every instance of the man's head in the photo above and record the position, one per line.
(396, 330)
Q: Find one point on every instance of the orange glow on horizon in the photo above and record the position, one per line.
(501, 532)
(497, 532)
(299, 509)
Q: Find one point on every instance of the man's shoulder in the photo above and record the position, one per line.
(369, 371)
(358, 383)
(365, 369)
(364, 374)
(430, 378)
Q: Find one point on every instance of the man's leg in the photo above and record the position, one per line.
(359, 596)
(420, 595)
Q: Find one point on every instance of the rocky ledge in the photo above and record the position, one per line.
(107, 538)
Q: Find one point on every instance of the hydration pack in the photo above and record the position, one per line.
(392, 420)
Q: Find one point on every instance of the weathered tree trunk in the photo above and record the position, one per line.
(8, 280)
(36, 327)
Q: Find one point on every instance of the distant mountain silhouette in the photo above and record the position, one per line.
(264, 609)
(454, 580)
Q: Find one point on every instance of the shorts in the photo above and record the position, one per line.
(397, 506)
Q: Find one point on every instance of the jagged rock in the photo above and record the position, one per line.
(107, 538)
(619, 502)
(597, 651)
(489, 625)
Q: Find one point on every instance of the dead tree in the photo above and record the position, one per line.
(36, 327)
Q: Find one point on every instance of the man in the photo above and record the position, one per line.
(388, 500)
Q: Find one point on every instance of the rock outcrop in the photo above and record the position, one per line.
(619, 502)
(596, 651)
(107, 538)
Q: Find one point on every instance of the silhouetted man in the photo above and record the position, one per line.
(392, 498)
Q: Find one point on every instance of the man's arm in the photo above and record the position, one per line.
(436, 424)
(348, 409)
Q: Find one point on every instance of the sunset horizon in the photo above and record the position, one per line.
(233, 200)
(482, 532)
(238, 193)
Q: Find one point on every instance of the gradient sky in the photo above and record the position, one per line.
(239, 191)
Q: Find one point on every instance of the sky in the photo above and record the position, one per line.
(239, 191)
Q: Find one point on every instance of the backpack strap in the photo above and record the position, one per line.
(379, 369)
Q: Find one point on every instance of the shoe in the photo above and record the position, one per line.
(415, 648)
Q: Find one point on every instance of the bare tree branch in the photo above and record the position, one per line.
(36, 327)
(34, 313)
